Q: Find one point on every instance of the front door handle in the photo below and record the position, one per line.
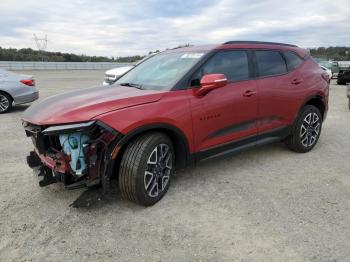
(249, 93)
(297, 81)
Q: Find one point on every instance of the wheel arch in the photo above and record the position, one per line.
(180, 142)
(4, 92)
(317, 101)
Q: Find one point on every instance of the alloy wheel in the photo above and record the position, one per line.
(310, 129)
(159, 167)
(4, 103)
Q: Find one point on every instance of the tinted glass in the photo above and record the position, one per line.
(292, 60)
(234, 64)
(270, 63)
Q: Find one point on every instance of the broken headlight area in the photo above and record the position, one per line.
(75, 154)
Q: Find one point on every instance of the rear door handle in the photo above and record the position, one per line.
(297, 81)
(249, 93)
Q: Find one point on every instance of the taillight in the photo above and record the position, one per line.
(28, 82)
(325, 76)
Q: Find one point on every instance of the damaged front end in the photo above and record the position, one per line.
(78, 155)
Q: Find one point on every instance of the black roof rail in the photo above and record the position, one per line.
(257, 42)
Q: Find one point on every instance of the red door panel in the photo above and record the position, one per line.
(274, 99)
(279, 100)
(278, 88)
(225, 114)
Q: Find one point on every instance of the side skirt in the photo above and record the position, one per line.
(238, 146)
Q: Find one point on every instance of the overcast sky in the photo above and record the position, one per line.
(120, 28)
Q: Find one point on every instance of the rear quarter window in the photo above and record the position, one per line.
(293, 60)
(270, 63)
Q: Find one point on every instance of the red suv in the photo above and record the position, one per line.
(179, 107)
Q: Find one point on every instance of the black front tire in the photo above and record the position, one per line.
(6, 99)
(134, 165)
(296, 141)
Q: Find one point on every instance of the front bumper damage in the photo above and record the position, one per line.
(78, 155)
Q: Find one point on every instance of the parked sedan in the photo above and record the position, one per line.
(16, 89)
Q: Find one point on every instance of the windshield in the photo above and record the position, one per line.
(144, 59)
(161, 71)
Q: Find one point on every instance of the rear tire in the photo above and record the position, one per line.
(146, 169)
(306, 130)
(5, 103)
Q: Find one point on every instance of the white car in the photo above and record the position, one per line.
(112, 75)
(329, 72)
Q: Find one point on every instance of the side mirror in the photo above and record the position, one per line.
(210, 82)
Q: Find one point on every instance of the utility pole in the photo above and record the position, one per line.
(41, 44)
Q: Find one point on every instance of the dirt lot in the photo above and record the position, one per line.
(267, 204)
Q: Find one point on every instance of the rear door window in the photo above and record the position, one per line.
(270, 63)
(293, 60)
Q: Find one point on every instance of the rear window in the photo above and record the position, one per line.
(293, 60)
(270, 63)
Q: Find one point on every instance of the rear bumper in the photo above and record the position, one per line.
(27, 98)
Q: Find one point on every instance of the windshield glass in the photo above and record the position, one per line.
(161, 71)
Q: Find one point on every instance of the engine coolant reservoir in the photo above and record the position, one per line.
(72, 144)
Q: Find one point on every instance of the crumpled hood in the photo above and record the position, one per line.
(83, 105)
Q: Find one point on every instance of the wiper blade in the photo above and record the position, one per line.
(132, 85)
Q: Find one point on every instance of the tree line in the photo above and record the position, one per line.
(338, 53)
(28, 54)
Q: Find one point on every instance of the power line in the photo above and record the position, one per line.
(41, 43)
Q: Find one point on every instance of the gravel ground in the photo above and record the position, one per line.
(267, 204)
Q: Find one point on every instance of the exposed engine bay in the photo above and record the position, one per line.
(78, 155)
(74, 145)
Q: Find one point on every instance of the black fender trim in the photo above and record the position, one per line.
(182, 143)
(308, 99)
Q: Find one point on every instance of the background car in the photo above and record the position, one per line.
(331, 65)
(329, 72)
(16, 89)
(344, 77)
(112, 75)
(348, 94)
